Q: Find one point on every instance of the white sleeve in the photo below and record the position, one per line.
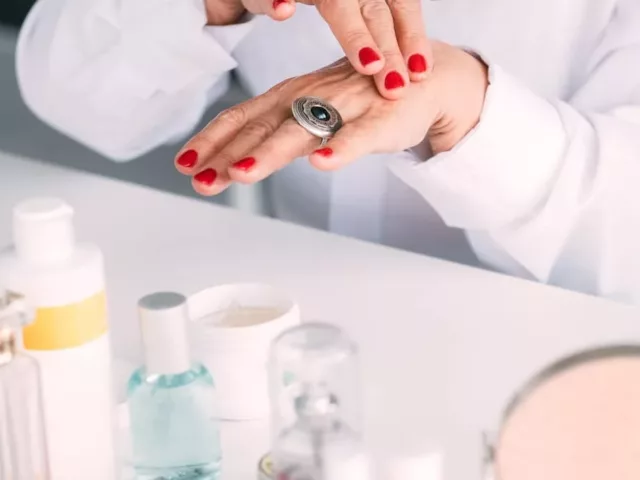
(123, 76)
(554, 185)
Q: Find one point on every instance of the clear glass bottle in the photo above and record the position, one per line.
(175, 434)
(315, 404)
(23, 452)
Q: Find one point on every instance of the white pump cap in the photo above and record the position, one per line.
(163, 321)
(43, 230)
(418, 467)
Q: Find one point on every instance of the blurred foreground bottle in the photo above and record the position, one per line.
(63, 280)
(23, 453)
(315, 405)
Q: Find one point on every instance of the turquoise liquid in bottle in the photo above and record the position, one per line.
(175, 435)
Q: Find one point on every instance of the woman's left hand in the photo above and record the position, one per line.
(252, 140)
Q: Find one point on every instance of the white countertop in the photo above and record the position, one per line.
(444, 347)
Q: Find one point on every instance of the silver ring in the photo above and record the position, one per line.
(317, 117)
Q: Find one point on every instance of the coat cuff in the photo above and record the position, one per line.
(502, 169)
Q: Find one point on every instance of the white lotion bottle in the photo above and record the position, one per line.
(64, 282)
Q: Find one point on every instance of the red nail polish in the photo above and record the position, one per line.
(324, 152)
(417, 63)
(368, 55)
(188, 159)
(245, 164)
(207, 176)
(393, 80)
(277, 3)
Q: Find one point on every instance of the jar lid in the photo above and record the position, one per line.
(265, 468)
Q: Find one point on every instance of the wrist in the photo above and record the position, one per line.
(462, 94)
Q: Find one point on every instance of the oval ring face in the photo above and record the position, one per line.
(316, 116)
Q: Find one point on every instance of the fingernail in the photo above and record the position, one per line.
(393, 80)
(245, 164)
(207, 176)
(368, 55)
(277, 3)
(324, 152)
(417, 63)
(188, 159)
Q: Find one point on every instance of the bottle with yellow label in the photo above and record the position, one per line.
(64, 281)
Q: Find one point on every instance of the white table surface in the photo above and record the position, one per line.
(443, 346)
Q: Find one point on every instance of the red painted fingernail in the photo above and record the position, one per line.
(368, 55)
(245, 164)
(417, 63)
(207, 176)
(188, 159)
(324, 152)
(277, 3)
(393, 80)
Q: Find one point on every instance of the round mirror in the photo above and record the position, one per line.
(579, 419)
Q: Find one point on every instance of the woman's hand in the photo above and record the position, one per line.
(384, 38)
(252, 140)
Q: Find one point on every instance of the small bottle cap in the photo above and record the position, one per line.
(163, 321)
(43, 230)
(419, 467)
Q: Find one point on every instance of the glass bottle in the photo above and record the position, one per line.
(23, 452)
(315, 404)
(175, 435)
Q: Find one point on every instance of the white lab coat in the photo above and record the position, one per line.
(546, 187)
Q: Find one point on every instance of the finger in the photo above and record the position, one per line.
(237, 152)
(219, 132)
(345, 20)
(392, 79)
(288, 142)
(281, 9)
(354, 140)
(207, 182)
(411, 36)
(276, 9)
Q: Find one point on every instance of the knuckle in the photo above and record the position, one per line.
(405, 6)
(260, 128)
(374, 11)
(356, 37)
(235, 116)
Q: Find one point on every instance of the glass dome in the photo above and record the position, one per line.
(315, 398)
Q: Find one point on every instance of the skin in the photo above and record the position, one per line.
(391, 30)
(442, 109)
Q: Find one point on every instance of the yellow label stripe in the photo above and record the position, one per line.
(56, 328)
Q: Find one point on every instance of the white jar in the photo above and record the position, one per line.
(231, 332)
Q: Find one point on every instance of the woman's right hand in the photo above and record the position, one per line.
(383, 38)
